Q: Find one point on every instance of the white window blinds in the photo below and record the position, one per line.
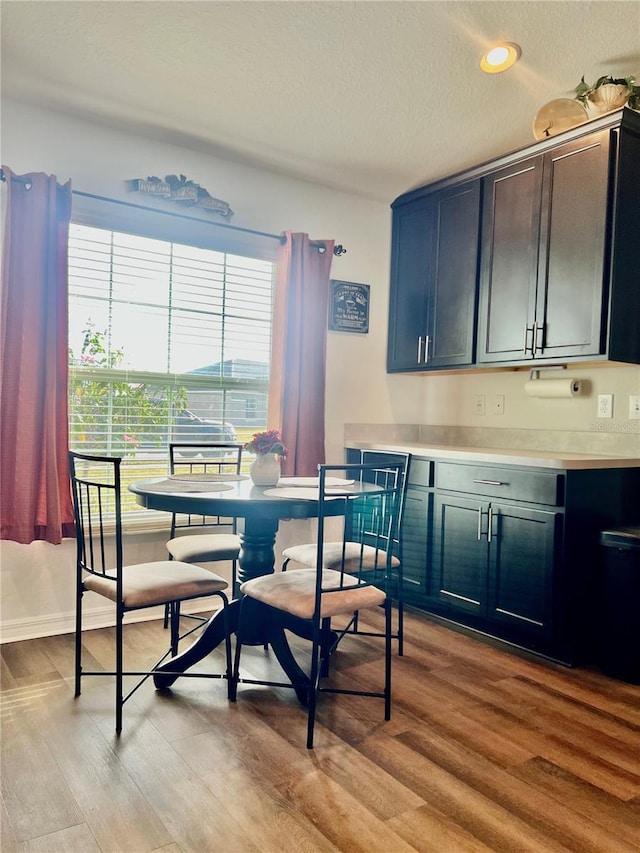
(167, 341)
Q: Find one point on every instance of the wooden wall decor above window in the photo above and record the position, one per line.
(179, 189)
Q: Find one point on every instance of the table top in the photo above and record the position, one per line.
(239, 498)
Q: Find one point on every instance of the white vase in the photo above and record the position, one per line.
(609, 97)
(265, 469)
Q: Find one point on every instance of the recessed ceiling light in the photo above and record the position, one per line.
(500, 57)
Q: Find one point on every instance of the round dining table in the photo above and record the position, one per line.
(260, 510)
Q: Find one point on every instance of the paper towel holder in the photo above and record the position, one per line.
(573, 389)
(534, 373)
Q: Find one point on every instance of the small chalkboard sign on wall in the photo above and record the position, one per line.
(349, 307)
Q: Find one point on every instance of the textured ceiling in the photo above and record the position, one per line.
(371, 97)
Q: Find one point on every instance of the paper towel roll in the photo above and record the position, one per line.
(552, 387)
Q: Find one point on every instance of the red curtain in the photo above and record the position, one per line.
(34, 471)
(297, 386)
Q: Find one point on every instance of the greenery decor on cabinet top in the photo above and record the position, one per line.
(609, 93)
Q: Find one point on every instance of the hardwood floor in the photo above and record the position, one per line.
(485, 751)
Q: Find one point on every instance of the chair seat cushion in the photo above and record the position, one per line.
(205, 547)
(294, 592)
(146, 584)
(370, 558)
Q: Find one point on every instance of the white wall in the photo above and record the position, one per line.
(449, 399)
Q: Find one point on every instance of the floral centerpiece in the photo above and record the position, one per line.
(268, 446)
(266, 442)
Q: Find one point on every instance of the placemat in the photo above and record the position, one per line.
(313, 481)
(182, 486)
(297, 493)
(197, 476)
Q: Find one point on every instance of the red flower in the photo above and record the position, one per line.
(266, 442)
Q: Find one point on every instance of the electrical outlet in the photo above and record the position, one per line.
(479, 403)
(605, 405)
(497, 404)
(634, 407)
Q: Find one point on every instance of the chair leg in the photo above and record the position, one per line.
(400, 611)
(387, 660)
(78, 666)
(325, 648)
(165, 621)
(227, 647)
(313, 689)
(235, 674)
(235, 590)
(174, 608)
(119, 668)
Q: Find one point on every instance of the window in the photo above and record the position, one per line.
(167, 341)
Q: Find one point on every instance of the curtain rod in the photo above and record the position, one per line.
(337, 250)
(17, 178)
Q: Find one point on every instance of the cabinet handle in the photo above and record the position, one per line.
(489, 523)
(525, 349)
(419, 349)
(538, 329)
(480, 531)
(427, 341)
(490, 482)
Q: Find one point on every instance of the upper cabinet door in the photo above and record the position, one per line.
(509, 262)
(452, 278)
(410, 250)
(434, 280)
(569, 312)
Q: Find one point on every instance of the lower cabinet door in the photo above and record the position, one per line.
(458, 581)
(416, 542)
(521, 564)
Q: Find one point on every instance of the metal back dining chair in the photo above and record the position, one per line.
(100, 568)
(216, 460)
(360, 578)
(305, 554)
(219, 461)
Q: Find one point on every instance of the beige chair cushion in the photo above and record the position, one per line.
(146, 584)
(332, 556)
(205, 547)
(294, 592)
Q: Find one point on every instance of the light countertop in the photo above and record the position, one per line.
(505, 456)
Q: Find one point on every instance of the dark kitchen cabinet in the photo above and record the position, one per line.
(553, 231)
(417, 526)
(434, 280)
(543, 255)
(512, 551)
(416, 541)
(522, 543)
(493, 565)
(458, 578)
